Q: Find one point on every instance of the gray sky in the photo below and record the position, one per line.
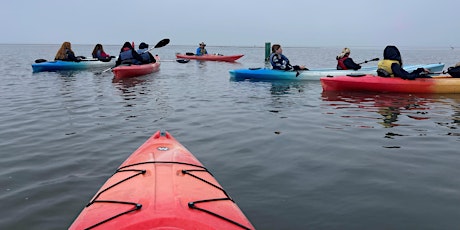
(233, 23)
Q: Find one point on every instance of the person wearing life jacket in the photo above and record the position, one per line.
(201, 50)
(100, 54)
(281, 62)
(128, 55)
(65, 53)
(147, 57)
(391, 66)
(345, 62)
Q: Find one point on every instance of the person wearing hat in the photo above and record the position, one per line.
(143, 51)
(201, 50)
(344, 61)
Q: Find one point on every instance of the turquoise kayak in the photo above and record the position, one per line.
(315, 74)
(85, 64)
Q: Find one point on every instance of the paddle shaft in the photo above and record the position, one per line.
(374, 59)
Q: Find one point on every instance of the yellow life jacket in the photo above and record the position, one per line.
(385, 64)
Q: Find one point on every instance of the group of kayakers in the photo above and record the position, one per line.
(390, 66)
(128, 55)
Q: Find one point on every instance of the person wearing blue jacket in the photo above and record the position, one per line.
(392, 66)
(201, 50)
(143, 51)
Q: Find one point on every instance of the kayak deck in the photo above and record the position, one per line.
(162, 186)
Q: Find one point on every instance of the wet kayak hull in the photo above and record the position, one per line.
(372, 83)
(211, 57)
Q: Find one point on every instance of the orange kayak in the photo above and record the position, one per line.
(372, 83)
(127, 71)
(211, 57)
(161, 186)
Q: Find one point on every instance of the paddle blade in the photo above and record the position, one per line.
(40, 60)
(183, 60)
(162, 43)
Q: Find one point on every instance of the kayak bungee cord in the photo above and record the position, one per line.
(192, 203)
(137, 206)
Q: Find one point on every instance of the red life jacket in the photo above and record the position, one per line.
(340, 64)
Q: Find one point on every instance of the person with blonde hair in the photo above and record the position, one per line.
(65, 53)
(345, 62)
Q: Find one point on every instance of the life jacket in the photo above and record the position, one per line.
(281, 62)
(454, 71)
(145, 55)
(385, 65)
(340, 63)
(126, 55)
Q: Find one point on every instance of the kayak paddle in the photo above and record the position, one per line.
(375, 59)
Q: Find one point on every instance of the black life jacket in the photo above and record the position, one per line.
(454, 71)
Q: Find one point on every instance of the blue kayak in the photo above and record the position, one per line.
(85, 64)
(315, 74)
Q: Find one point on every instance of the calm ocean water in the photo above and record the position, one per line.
(292, 156)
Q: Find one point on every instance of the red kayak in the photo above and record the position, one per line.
(161, 186)
(127, 71)
(372, 83)
(211, 57)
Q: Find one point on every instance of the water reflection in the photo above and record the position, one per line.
(391, 106)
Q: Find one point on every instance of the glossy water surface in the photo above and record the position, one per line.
(290, 155)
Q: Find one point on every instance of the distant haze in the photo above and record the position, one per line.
(233, 23)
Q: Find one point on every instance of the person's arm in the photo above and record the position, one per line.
(71, 56)
(152, 58)
(400, 72)
(137, 56)
(198, 51)
(350, 64)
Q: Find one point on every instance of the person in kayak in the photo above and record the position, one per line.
(65, 53)
(201, 50)
(100, 54)
(128, 55)
(345, 62)
(147, 57)
(391, 66)
(281, 62)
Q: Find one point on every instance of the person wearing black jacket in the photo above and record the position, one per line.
(345, 62)
(391, 66)
(128, 55)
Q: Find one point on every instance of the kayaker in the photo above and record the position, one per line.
(201, 50)
(281, 62)
(345, 62)
(128, 55)
(391, 66)
(147, 57)
(99, 53)
(65, 53)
